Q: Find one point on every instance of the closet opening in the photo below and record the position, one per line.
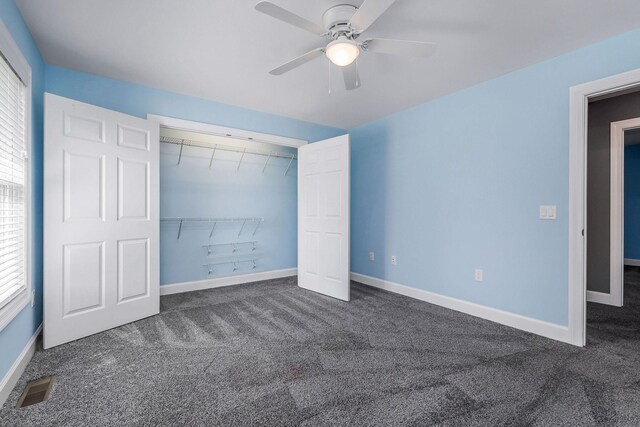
(238, 206)
(228, 207)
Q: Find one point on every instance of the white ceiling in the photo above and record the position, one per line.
(222, 50)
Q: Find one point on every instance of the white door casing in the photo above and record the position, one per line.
(101, 219)
(616, 282)
(323, 217)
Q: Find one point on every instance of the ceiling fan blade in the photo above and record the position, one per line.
(277, 12)
(351, 76)
(399, 47)
(297, 62)
(368, 13)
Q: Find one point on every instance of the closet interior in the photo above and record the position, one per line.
(228, 206)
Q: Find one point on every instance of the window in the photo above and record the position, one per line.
(15, 194)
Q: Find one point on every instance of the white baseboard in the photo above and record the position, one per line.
(218, 282)
(11, 378)
(634, 262)
(528, 324)
(601, 298)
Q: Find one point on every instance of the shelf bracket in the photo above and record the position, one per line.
(180, 155)
(265, 163)
(256, 229)
(290, 161)
(179, 229)
(213, 153)
(241, 157)
(212, 229)
(242, 228)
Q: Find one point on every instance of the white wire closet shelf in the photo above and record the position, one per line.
(235, 246)
(214, 221)
(215, 147)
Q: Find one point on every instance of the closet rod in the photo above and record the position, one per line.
(191, 143)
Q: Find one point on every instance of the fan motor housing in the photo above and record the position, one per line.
(338, 16)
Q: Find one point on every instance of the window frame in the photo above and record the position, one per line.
(20, 65)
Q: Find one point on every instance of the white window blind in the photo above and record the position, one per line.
(12, 184)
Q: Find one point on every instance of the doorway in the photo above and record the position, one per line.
(581, 97)
(611, 122)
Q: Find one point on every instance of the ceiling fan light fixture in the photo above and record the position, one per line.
(342, 51)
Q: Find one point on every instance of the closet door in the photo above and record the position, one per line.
(101, 226)
(323, 217)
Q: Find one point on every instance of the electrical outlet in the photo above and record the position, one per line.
(478, 275)
(372, 256)
(394, 260)
(33, 297)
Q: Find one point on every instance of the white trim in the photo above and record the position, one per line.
(218, 282)
(12, 53)
(17, 369)
(601, 298)
(616, 266)
(528, 324)
(579, 99)
(631, 261)
(210, 129)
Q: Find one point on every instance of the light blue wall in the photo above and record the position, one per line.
(455, 184)
(632, 202)
(138, 100)
(15, 336)
(192, 190)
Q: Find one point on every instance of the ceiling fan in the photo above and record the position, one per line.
(343, 25)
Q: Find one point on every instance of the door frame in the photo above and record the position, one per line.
(578, 108)
(616, 281)
(201, 127)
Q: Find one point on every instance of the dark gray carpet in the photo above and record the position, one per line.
(271, 354)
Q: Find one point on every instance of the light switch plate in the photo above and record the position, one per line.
(548, 212)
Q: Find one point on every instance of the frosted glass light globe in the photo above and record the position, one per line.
(342, 51)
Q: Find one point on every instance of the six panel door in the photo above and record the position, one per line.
(323, 217)
(101, 219)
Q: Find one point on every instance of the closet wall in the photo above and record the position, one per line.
(226, 212)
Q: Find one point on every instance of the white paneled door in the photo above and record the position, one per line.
(323, 217)
(101, 225)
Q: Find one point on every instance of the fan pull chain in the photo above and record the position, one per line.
(330, 77)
